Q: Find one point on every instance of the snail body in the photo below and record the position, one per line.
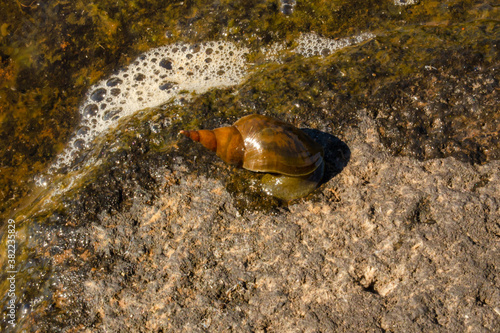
(292, 161)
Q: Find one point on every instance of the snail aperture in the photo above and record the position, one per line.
(292, 161)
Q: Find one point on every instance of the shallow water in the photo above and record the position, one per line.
(56, 56)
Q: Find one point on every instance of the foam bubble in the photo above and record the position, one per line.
(163, 73)
(310, 44)
(152, 79)
(405, 2)
(287, 6)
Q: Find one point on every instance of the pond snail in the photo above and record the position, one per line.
(292, 161)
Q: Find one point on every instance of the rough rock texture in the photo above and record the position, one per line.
(390, 244)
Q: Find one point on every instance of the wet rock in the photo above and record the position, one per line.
(390, 243)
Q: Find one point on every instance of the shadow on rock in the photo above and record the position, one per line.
(337, 153)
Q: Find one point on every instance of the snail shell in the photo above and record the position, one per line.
(292, 161)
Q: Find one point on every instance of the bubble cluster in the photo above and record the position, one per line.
(152, 79)
(311, 44)
(405, 2)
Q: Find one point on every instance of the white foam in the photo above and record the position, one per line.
(311, 44)
(152, 79)
(405, 2)
(161, 74)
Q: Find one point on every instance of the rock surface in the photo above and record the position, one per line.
(389, 244)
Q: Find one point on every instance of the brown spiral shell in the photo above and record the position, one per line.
(264, 144)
